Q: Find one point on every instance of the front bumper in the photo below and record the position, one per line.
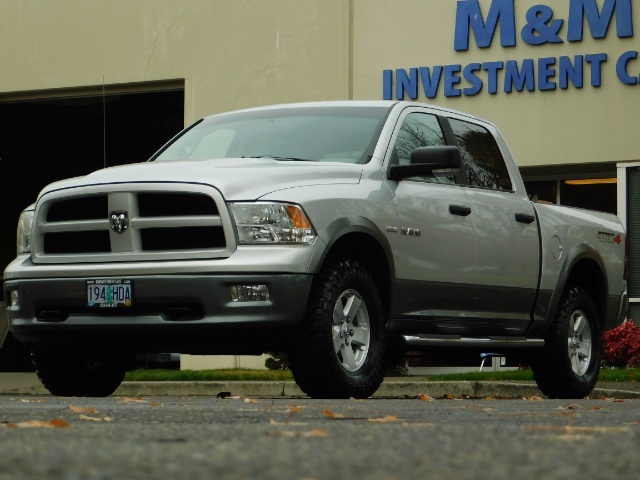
(178, 313)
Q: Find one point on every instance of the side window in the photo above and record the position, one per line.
(418, 130)
(484, 164)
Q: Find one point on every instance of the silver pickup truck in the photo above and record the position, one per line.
(336, 232)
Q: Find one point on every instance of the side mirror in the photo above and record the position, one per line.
(425, 160)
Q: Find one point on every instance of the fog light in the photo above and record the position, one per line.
(13, 298)
(249, 293)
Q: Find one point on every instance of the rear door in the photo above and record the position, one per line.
(507, 247)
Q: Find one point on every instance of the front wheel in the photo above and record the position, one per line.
(79, 374)
(339, 350)
(570, 362)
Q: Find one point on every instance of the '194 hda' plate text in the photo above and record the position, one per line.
(109, 293)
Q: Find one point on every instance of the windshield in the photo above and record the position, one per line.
(326, 134)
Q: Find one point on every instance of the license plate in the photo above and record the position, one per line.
(109, 293)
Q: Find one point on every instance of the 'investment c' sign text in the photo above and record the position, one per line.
(541, 27)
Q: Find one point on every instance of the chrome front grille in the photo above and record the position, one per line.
(163, 222)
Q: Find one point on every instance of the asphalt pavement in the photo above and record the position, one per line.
(393, 387)
(166, 437)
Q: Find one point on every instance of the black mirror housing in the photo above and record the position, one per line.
(425, 160)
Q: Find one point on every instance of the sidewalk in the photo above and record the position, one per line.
(19, 384)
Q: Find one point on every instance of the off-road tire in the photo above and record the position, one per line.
(79, 374)
(332, 359)
(569, 364)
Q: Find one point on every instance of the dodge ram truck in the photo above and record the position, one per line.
(336, 232)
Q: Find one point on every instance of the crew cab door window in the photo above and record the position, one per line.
(419, 130)
(484, 163)
(436, 257)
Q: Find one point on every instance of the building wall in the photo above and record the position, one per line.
(241, 53)
(206, 362)
(232, 54)
(576, 125)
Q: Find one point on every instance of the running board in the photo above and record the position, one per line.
(471, 342)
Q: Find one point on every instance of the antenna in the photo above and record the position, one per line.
(104, 124)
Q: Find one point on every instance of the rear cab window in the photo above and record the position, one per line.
(484, 164)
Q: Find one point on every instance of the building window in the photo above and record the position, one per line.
(594, 194)
(543, 191)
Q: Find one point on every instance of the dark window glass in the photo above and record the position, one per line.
(591, 194)
(419, 130)
(542, 191)
(483, 161)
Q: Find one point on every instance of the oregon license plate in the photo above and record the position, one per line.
(109, 293)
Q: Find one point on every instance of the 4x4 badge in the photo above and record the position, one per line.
(119, 221)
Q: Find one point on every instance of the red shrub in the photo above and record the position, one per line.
(622, 345)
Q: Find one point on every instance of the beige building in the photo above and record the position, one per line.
(85, 84)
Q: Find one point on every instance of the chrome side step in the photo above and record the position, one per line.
(480, 342)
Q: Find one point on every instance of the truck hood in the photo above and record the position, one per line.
(235, 178)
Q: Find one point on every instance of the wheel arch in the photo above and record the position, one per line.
(360, 239)
(584, 268)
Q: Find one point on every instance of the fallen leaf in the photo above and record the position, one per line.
(294, 409)
(535, 398)
(330, 414)
(95, 419)
(56, 423)
(448, 396)
(134, 400)
(387, 419)
(82, 410)
(425, 398)
(223, 394)
(286, 422)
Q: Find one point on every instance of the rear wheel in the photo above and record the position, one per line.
(339, 352)
(79, 374)
(569, 364)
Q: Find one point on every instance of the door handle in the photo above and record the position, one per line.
(459, 210)
(525, 218)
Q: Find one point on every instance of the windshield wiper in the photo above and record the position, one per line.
(275, 157)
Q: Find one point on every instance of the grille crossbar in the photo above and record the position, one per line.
(158, 223)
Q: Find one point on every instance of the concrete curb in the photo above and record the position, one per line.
(406, 389)
(17, 384)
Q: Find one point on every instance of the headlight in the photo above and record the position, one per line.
(263, 222)
(24, 231)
